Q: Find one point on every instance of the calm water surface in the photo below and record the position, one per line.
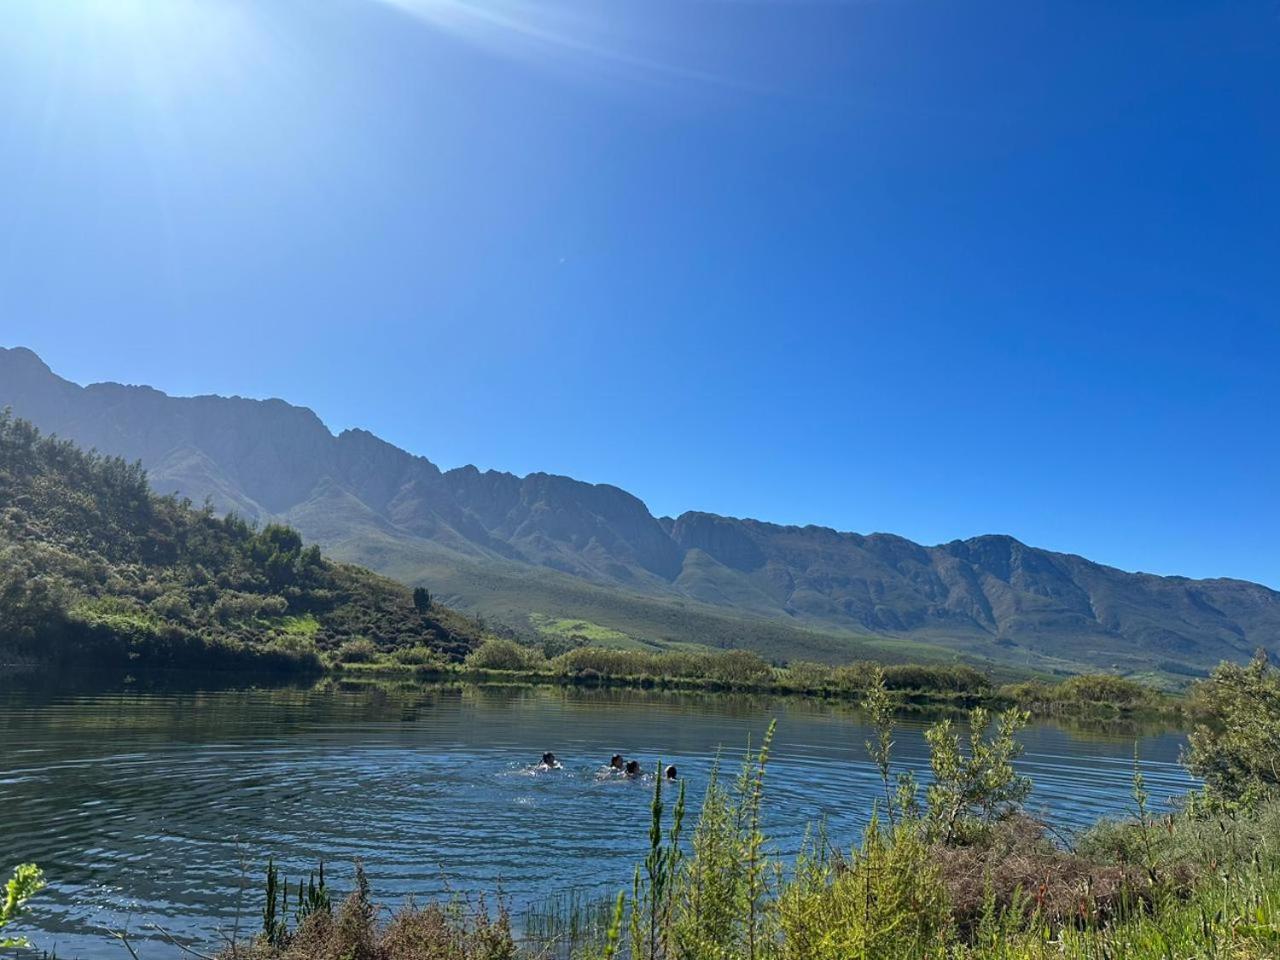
(141, 805)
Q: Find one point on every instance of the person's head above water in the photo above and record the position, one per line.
(616, 761)
(548, 759)
(633, 768)
(670, 772)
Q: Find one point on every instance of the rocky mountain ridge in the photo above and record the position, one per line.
(368, 500)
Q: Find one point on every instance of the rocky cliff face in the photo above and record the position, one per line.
(268, 459)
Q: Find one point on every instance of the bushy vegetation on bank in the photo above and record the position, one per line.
(1090, 696)
(96, 569)
(728, 670)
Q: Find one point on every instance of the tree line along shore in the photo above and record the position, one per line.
(923, 685)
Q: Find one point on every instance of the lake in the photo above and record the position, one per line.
(143, 804)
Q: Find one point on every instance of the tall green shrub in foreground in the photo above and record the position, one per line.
(711, 886)
(1237, 751)
(886, 900)
(719, 892)
(970, 793)
(26, 882)
(653, 896)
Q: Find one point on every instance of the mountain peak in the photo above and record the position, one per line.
(23, 357)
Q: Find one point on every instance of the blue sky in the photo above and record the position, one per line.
(934, 268)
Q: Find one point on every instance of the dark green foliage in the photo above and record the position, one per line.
(421, 599)
(954, 678)
(958, 680)
(96, 569)
(1090, 693)
(1237, 751)
(726, 667)
(316, 898)
(274, 927)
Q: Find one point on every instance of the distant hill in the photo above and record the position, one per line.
(510, 546)
(96, 569)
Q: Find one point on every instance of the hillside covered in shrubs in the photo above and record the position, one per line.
(97, 569)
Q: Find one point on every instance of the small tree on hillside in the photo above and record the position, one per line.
(421, 599)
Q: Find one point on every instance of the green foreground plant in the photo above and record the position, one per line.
(26, 882)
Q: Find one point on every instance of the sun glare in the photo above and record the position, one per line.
(545, 32)
(149, 42)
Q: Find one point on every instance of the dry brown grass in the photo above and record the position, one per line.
(352, 932)
(1021, 870)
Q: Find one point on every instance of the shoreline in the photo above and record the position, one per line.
(1170, 709)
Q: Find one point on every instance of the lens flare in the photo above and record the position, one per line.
(548, 33)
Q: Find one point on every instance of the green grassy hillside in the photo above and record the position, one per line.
(525, 600)
(96, 568)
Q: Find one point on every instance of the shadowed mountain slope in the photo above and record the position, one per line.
(509, 546)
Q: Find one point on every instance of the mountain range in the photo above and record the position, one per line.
(550, 554)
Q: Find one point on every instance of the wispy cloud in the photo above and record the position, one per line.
(548, 32)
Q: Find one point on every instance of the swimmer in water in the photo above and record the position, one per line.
(616, 762)
(632, 769)
(670, 772)
(549, 761)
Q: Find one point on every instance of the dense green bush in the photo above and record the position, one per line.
(886, 899)
(807, 675)
(973, 791)
(725, 667)
(359, 650)
(419, 656)
(499, 654)
(1237, 750)
(951, 678)
(956, 679)
(1104, 688)
(1086, 693)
